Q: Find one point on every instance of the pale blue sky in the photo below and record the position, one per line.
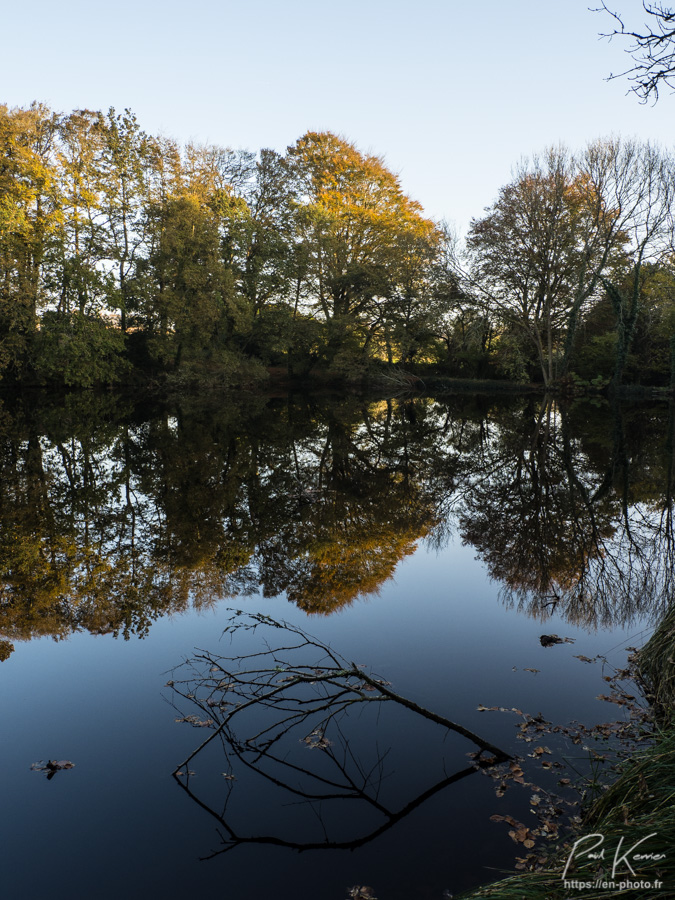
(451, 93)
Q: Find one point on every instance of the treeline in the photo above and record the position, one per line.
(120, 249)
(124, 256)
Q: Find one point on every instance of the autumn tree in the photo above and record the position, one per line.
(358, 230)
(29, 218)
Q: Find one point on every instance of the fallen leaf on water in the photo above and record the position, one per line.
(316, 740)
(618, 700)
(548, 640)
(534, 671)
(196, 722)
(586, 659)
(52, 766)
(519, 835)
(362, 892)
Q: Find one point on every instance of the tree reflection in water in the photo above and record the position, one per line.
(112, 515)
(591, 542)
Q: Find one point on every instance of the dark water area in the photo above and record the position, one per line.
(428, 542)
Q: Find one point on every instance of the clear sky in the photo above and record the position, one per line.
(451, 92)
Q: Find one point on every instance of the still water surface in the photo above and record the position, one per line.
(431, 541)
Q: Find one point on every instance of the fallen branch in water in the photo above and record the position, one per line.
(270, 706)
(295, 690)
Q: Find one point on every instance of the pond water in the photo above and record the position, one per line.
(431, 542)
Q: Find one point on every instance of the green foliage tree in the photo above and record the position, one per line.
(127, 161)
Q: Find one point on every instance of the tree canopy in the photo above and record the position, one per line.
(125, 257)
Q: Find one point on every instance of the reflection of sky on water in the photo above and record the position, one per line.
(117, 825)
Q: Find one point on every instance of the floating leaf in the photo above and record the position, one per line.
(316, 740)
(548, 640)
(52, 766)
(618, 700)
(196, 722)
(361, 893)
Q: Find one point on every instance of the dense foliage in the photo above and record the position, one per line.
(126, 257)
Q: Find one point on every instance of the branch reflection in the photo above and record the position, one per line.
(296, 723)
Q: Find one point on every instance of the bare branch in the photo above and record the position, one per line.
(297, 693)
(651, 48)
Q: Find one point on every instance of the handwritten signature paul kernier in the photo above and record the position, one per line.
(591, 848)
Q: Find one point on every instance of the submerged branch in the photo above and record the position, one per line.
(295, 690)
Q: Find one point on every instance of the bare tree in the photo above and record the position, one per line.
(652, 49)
(566, 227)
